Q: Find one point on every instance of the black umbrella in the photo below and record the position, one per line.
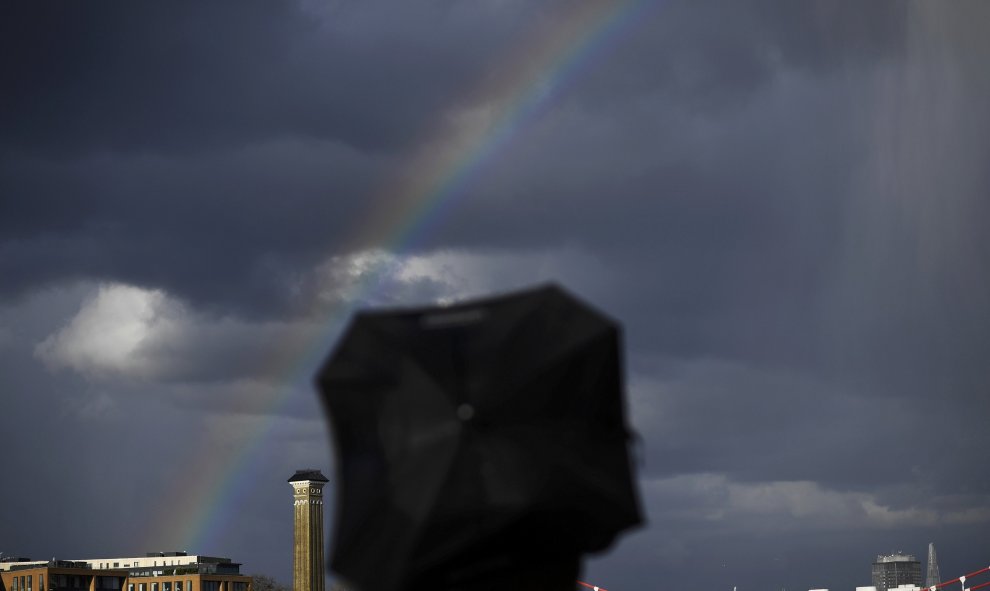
(477, 440)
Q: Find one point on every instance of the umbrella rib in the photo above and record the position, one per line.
(387, 340)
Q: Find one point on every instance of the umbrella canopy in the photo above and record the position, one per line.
(476, 438)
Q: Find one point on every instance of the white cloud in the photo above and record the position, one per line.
(793, 504)
(377, 277)
(122, 331)
(111, 331)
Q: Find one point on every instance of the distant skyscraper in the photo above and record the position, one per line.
(933, 577)
(896, 569)
(307, 548)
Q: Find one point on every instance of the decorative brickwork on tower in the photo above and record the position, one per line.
(307, 547)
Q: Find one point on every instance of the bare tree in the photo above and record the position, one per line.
(266, 583)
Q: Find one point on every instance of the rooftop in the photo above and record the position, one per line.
(308, 474)
(896, 557)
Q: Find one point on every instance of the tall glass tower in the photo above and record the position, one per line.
(933, 577)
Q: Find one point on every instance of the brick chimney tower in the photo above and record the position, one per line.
(307, 546)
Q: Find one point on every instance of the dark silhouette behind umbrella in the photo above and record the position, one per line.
(476, 439)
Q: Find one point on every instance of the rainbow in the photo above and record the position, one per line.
(195, 511)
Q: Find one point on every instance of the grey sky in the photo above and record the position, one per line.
(783, 203)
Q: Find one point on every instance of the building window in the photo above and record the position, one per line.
(189, 585)
(29, 582)
(154, 587)
(167, 586)
(13, 586)
(141, 587)
(41, 581)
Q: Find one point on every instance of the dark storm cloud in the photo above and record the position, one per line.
(760, 424)
(184, 77)
(710, 58)
(730, 226)
(747, 187)
(190, 81)
(241, 131)
(120, 76)
(248, 219)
